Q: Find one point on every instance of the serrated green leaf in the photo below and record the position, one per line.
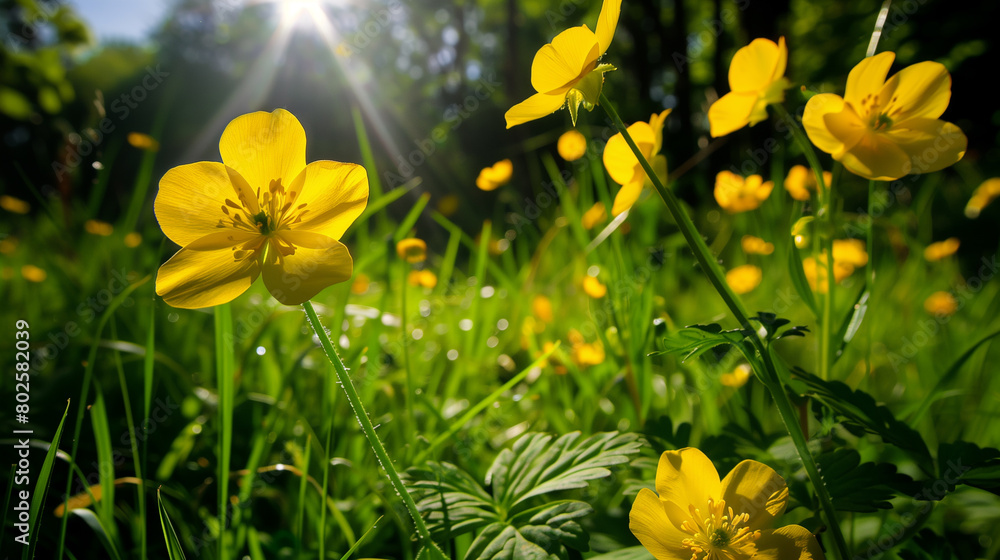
(861, 487)
(547, 534)
(962, 462)
(698, 339)
(630, 553)
(450, 500)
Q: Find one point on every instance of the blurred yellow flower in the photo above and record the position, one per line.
(541, 308)
(848, 255)
(565, 71)
(15, 205)
(756, 246)
(448, 205)
(571, 145)
(97, 227)
(495, 176)
(850, 251)
(801, 182)
(625, 169)
(360, 284)
(422, 278)
(143, 141)
(594, 215)
(941, 249)
(133, 239)
(263, 212)
(757, 79)
(885, 129)
(8, 245)
(593, 287)
(694, 515)
(982, 196)
(736, 194)
(736, 378)
(412, 250)
(32, 273)
(588, 354)
(941, 303)
(743, 279)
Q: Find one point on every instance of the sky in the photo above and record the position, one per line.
(129, 20)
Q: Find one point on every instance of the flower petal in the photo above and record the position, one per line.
(755, 488)
(650, 524)
(921, 90)
(534, 107)
(731, 112)
(753, 66)
(193, 279)
(931, 144)
(782, 63)
(626, 197)
(867, 78)
(792, 542)
(847, 127)
(263, 147)
(561, 63)
(814, 121)
(318, 262)
(334, 193)
(190, 200)
(618, 157)
(607, 22)
(687, 477)
(876, 157)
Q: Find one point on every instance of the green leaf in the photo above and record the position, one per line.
(450, 500)
(102, 533)
(698, 339)
(862, 488)
(962, 462)
(546, 534)
(927, 545)
(174, 550)
(630, 553)
(799, 281)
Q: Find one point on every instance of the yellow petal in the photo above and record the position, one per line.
(876, 157)
(687, 477)
(867, 78)
(607, 22)
(656, 122)
(814, 121)
(334, 193)
(921, 90)
(650, 524)
(534, 107)
(930, 144)
(193, 279)
(318, 262)
(626, 197)
(620, 161)
(190, 200)
(263, 147)
(782, 62)
(792, 542)
(731, 112)
(847, 127)
(753, 67)
(561, 63)
(755, 488)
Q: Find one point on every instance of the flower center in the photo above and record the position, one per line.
(277, 212)
(719, 533)
(880, 116)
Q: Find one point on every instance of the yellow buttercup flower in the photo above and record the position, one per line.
(801, 182)
(32, 273)
(756, 246)
(736, 378)
(941, 303)
(422, 278)
(593, 287)
(571, 145)
(15, 205)
(757, 79)
(412, 250)
(541, 308)
(982, 196)
(941, 249)
(885, 129)
(448, 205)
(736, 194)
(132, 239)
(360, 284)
(566, 72)
(848, 255)
(97, 227)
(495, 176)
(625, 169)
(693, 514)
(588, 354)
(743, 279)
(594, 215)
(263, 212)
(143, 141)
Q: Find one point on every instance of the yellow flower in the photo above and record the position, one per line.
(625, 169)
(588, 354)
(848, 255)
(448, 205)
(541, 308)
(736, 194)
(885, 129)
(263, 212)
(132, 240)
(97, 227)
(565, 71)
(360, 284)
(593, 287)
(595, 215)
(941, 249)
(983, 195)
(571, 145)
(32, 273)
(495, 176)
(15, 205)
(757, 79)
(756, 246)
(743, 279)
(412, 250)
(693, 514)
(801, 182)
(850, 251)
(737, 378)
(143, 141)
(941, 303)
(422, 278)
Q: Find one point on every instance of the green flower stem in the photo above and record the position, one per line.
(767, 373)
(366, 425)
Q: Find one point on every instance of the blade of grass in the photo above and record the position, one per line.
(301, 517)
(174, 550)
(94, 522)
(42, 486)
(224, 369)
(411, 218)
(105, 460)
(364, 537)
(133, 441)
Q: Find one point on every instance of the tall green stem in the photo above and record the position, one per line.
(767, 372)
(366, 425)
